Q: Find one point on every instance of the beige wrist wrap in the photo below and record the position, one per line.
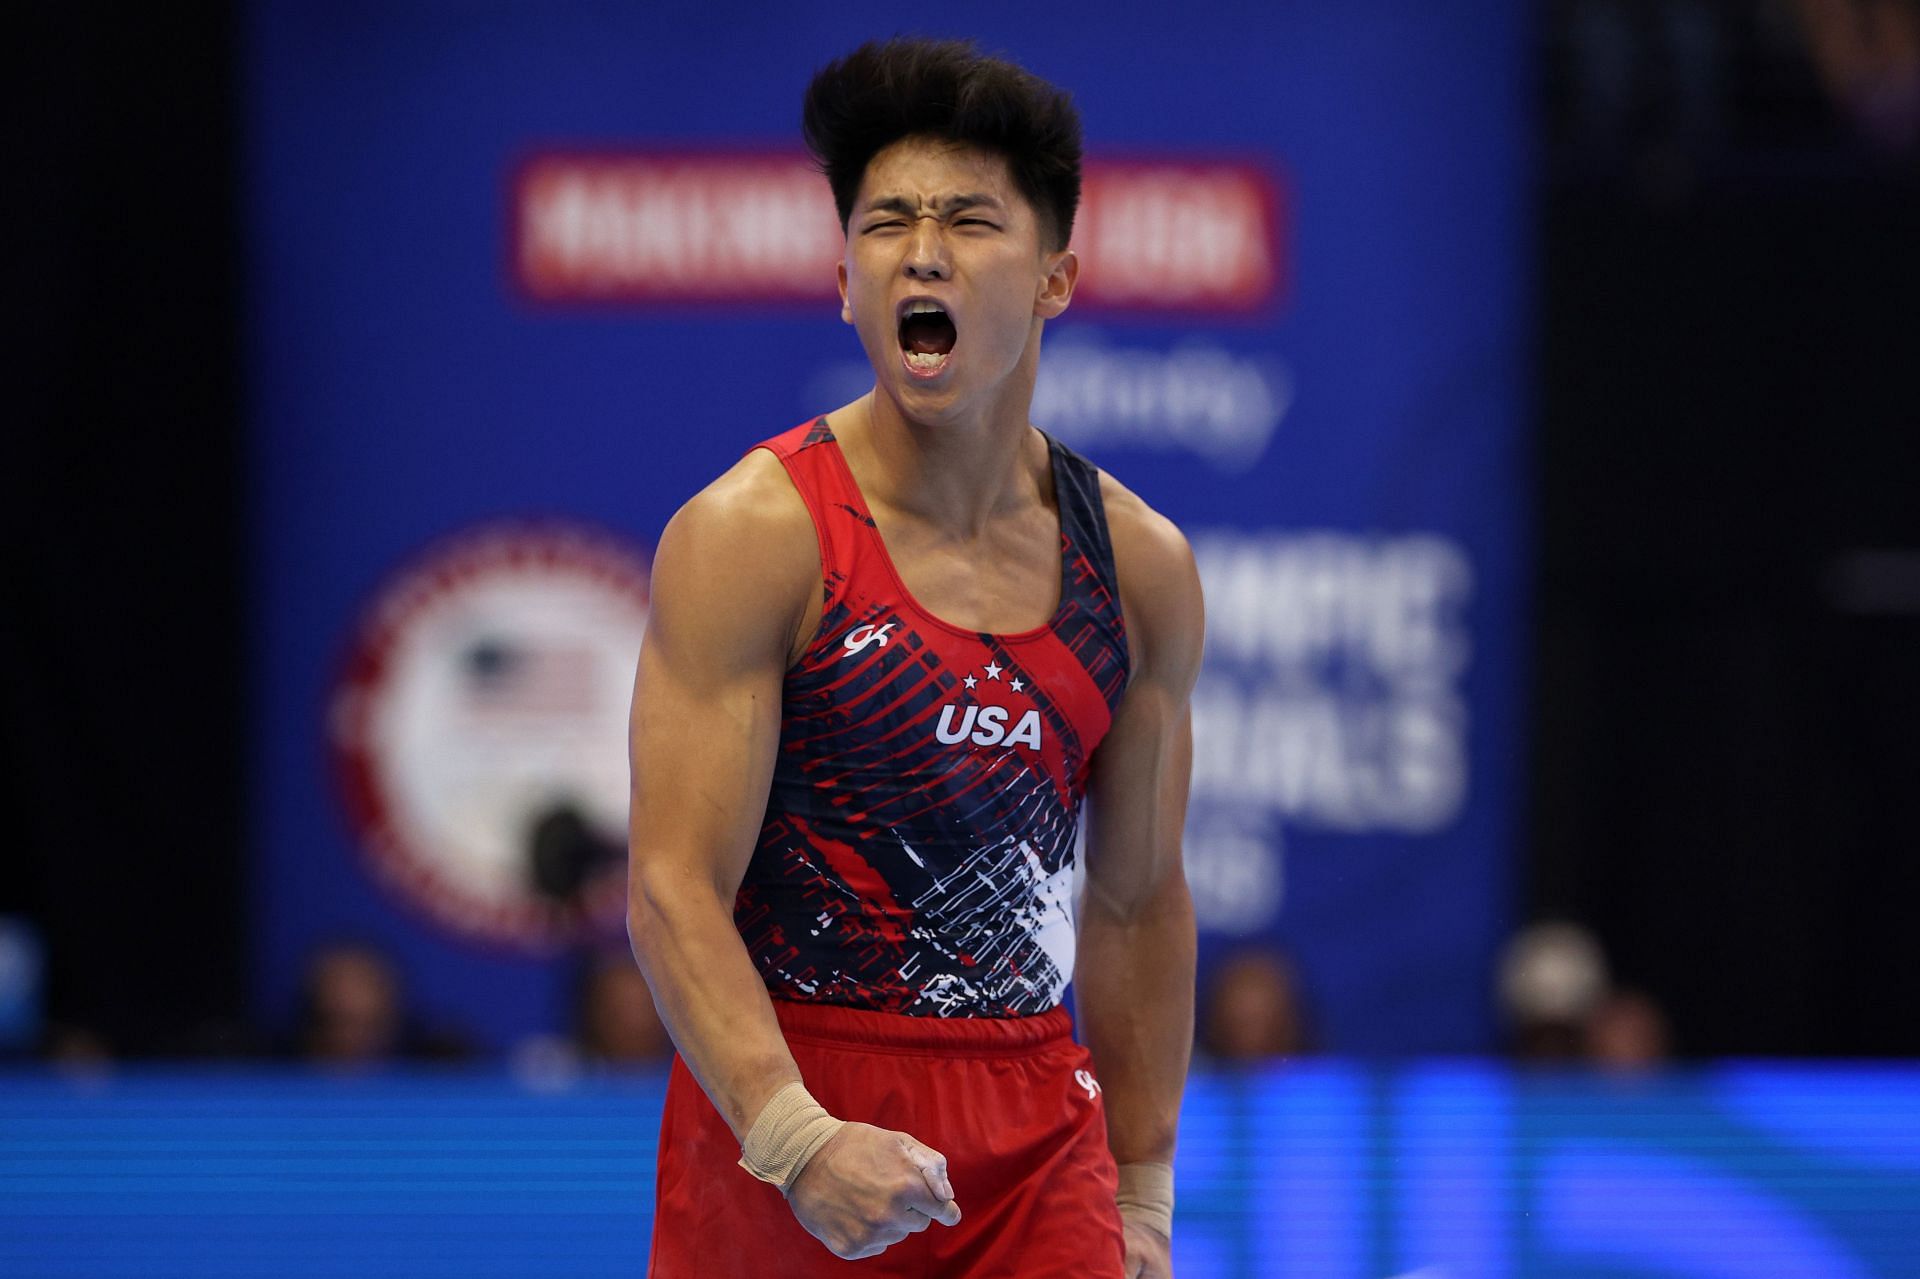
(790, 1130)
(1146, 1196)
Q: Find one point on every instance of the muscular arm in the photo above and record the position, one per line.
(731, 583)
(735, 590)
(1135, 971)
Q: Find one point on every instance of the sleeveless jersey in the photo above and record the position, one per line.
(917, 854)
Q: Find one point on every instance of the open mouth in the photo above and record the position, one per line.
(927, 336)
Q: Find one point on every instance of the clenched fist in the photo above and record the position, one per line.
(868, 1188)
(1149, 1253)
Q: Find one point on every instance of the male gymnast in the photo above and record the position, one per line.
(889, 652)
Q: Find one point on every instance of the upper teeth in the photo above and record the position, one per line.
(925, 308)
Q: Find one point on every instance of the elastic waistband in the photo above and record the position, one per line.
(834, 1025)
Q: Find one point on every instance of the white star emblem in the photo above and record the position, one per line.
(1018, 685)
(993, 671)
(971, 681)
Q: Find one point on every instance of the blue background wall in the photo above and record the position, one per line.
(1356, 785)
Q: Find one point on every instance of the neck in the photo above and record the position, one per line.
(960, 472)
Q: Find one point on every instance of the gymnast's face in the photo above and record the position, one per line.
(947, 279)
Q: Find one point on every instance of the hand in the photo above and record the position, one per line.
(868, 1188)
(1149, 1253)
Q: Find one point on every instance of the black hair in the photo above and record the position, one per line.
(904, 87)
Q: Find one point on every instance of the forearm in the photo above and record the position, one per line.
(1134, 995)
(709, 995)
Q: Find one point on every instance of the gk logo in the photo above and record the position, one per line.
(1086, 1080)
(861, 636)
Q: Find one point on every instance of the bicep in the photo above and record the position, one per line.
(705, 721)
(703, 741)
(1141, 769)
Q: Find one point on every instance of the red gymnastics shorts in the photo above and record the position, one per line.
(1012, 1104)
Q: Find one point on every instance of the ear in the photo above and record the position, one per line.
(846, 308)
(1056, 287)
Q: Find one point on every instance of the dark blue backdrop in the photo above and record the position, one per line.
(1347, 458)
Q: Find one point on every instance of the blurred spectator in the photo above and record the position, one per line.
(1627, 1032)
(76, 1048)
(1552, 977)
(615, 1027)
(616, 1022)
(353, 1012)
(1868, 53)
(1562, 1006)
(1253, 1010)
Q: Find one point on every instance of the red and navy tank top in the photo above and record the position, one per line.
(917, 854)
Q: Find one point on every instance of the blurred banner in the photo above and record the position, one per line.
(527, 276)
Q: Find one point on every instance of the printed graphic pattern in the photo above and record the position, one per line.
(918, 850)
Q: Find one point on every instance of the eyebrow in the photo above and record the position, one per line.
(953, 203)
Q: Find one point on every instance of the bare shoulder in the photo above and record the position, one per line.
(1159, 583)
(751, 508)
(741, 553)
(1147, 545)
